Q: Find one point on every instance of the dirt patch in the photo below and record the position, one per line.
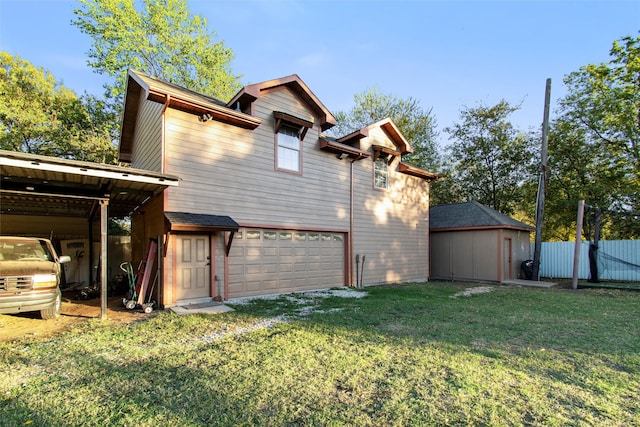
(15, 327)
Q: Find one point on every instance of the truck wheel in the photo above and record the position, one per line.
(53, 311)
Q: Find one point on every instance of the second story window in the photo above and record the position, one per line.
(381, 174)
(288, 148)
(290, 132)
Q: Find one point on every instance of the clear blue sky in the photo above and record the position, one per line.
(445, 54)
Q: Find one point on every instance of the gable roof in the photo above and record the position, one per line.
(471, 215)
(142, 86)
(250, 93)
(393, 133)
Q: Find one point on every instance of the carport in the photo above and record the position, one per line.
(45, 186)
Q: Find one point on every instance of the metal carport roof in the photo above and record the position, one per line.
(41, 185)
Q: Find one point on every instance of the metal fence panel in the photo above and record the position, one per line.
(556, 260)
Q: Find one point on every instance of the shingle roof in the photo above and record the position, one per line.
(471, 215)
(219, 222)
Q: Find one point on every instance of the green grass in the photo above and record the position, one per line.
(407, 355)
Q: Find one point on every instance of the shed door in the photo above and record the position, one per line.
(193, 267)
(506, 260)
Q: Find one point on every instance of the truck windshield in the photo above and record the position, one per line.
(24, 250)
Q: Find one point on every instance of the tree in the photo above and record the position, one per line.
(417, 125)
(40, 116)
(161, 39)
(594, 148)
(491, 160)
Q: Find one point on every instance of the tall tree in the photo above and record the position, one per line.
(416, 124)
(491, 160)
(158, 37)
(595, 154)
(40, 116)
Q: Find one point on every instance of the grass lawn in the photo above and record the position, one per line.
(406, 355)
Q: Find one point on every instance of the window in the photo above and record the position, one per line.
(288, 148)
(253, 234)
(290, 132)
(381, 174)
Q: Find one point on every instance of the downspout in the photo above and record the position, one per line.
(226, 269)
(164, 276)
(162, 147)
(351, 224)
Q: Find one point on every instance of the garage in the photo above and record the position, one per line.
(58, 198)
(265, 261)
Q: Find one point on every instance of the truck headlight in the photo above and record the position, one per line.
(45, 281)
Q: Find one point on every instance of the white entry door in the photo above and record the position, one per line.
(193, 267)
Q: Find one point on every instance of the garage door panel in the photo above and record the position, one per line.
(252, 269)
(271, 284)
(286, 251)
(254, 252)
(253, 285)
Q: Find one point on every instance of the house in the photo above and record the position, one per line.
(267, 202)
(470, 241)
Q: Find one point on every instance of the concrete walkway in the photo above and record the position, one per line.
(206, 308)
(533, 283)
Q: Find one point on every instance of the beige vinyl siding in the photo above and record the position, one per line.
(147, 147)
(227, 170)
(391, 227)
(521, 250)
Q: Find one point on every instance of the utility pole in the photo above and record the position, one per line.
(542, 183)
(576, 249)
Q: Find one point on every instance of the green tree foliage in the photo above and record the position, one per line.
(594, 147)
(490, 159)
(159, 37)
(417, 125)
(40, 116)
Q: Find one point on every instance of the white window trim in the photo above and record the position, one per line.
(384, 172)
(291, 133)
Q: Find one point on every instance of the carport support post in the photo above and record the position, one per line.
(104, 204)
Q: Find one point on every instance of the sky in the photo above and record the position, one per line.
(447, 55)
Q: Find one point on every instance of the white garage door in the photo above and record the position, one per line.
(275, 261)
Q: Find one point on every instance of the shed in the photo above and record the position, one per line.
(470, 241)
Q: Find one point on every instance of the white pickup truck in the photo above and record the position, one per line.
(30, 276)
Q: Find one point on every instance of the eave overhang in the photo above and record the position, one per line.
(482, 227)
(342, 149)
(185, 221)
(414, 171)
